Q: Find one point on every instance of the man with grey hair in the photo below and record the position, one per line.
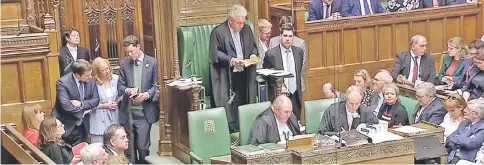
(275, 123)
(464, 143)
(93, 154)
(381, 79)
(414, 65)
(429, 108)
(346, 115)
(233, 83)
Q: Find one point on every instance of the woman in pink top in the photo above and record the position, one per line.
(454, 105)
(31, 118)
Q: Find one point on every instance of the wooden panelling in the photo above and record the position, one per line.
(34, 80)
(371, 42)
(10, 79)
(12, 12)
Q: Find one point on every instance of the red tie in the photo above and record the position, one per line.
(468, 74)
(436, 3)
(415, 69)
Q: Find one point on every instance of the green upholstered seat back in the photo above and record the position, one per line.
(410, 105)
(193, 52)
(247, 116)
(314, 113)
(208, 133)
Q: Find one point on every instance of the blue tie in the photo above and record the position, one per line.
(81, 90)
(367, 8)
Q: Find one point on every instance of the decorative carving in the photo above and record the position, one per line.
(127, 10)
(48, 22)
(202, 20)
(35, 43)
(209, 126)
(201, 2)
(195, 95)
(29, 7)
(92, 12)
(55, 3)
(282, 157)
(62, 15)
(109, 10)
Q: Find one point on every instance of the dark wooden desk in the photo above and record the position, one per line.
(409, 91)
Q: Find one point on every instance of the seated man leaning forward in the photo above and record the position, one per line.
(346, 115)
(271, 125)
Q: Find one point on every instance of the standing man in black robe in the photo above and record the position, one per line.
(233, 84)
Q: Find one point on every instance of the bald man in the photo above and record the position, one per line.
(271, 125)
(346, 115)
(330, 92)
(381, 79)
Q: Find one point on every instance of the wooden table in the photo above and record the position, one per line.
(409, 91)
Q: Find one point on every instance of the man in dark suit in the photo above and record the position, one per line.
(415, 65)
(233, 84)
(138, 76)
(437, 3)
(346, 115)
(271, 125)
(464, 142)
(76, 96)
(115, 140)
(290, 59)
(71, 52)
(361, 7)
(380, 81)
(323, 9)
(430, 109)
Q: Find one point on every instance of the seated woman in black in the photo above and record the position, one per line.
(50, 142)
(392, 110)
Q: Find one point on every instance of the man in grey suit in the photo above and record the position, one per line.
(290, 59)
(297, 42)
(415, 64)
(76, 96)
(429, 108)
(138, 76)
(346, 115)
(381, 79)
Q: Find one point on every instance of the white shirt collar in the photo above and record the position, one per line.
(230, 28)
(71, 48)
(413, 55)
(283, 49)
(75, 79)
(142, 56)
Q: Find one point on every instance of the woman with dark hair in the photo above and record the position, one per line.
(71, 51)
(51, 144)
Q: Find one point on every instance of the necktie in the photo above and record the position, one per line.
(367, 7)
(436, 3)
(290, 68)
(415, 69)
(417, 117)
(136, 62)
(468, 74)
(327, 11)
(81, 89)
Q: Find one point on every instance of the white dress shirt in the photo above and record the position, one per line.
(290, 87)
(449, 125)
(412, 61)
(282, 127)
(380, 102)
(73, 51)
(362, 7)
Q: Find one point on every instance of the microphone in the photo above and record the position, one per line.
(286, 137)
(97, 46)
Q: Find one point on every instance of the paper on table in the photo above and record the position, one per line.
(384, 136)
(409, 129)
(267, 72)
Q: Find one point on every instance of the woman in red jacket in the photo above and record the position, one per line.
(31, 117)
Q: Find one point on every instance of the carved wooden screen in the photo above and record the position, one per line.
(108, 22)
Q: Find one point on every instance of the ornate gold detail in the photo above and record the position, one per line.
(209, 126)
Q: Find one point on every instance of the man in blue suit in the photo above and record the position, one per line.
(323, 9)
(76, 96)
(361, 7)
(464, 143)
(429, 108)
(437, 3)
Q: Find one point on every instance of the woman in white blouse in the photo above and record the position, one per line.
(454, 105)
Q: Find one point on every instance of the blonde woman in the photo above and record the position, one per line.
(455, 106)
(362, 79)
(31, 118)
(392, 110)
(454, 64)
(106, 113)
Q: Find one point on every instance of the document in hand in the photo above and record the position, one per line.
(251, 61)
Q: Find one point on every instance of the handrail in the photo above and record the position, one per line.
(24, 151)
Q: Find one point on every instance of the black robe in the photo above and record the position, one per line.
(334, 118)
(222, 49)
(264, 130)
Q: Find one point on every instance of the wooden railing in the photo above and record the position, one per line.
(24, 151)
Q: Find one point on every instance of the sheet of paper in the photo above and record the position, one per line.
(384, 136)
(267, 72)
(409, 129)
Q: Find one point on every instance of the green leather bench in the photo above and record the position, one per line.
(193, 53)
(409, 104)
(314, 113)
(247, 115)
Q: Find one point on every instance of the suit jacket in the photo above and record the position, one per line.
(459, 72)
(222, 50)
(264, 130)
(426, 67)
(297, 42)
(262, 53)
(433, 113)
(430, 3)
(67, 113)
(476, 84)
(398, 111)
(334, 118)
(316, 7)
(374, 101)
(468, 142)
(353, 7)
(273, 60)
(100, 119)
(65, 58)
(149, 79)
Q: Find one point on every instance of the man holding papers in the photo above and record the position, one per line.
(290, 59)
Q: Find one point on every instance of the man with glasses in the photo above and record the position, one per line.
(264, 37)
(381, 79)
(429, 108)
(76, 96)
(346, 115)
(276, 124)
(474, 84)
(464, 143)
